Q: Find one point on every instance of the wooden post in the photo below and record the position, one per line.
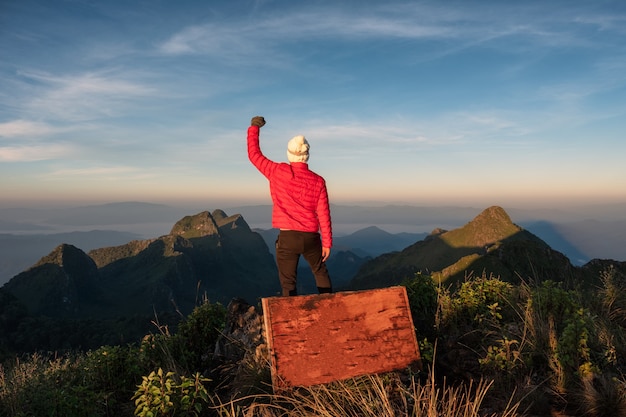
(316, 339)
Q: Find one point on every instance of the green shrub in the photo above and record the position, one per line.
(190, 347)
(504, 356)
(422, 294)
(573, 346)
(204, 323)
(166, 394)
(478, 302)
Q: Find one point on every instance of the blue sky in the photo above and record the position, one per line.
(417, 102)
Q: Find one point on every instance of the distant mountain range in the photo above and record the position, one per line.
(27, 234)
(113, 291)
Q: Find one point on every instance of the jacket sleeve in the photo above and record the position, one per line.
(263, 164)
(323, 215)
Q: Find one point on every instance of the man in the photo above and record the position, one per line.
(300, 211)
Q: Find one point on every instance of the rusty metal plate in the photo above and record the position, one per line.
(316, 339)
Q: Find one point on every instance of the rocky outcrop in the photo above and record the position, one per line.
(241, 350)
(206, 256)
(202, 224)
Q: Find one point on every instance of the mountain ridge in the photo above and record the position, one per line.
(489, 243)
(201, 255)
(580, 232)
(442, 253)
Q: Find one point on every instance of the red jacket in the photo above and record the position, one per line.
(299, 195)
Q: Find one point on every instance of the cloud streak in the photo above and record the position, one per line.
(32, 153)
(474, 24)
(102, 173)
(83, 96)
(27, 128)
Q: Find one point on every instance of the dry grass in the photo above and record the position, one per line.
(24, 373)
(371, 396)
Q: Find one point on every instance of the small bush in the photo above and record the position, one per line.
(478, 302)
(166, 394)
(191, 347)
(96, 383)
(423, 298)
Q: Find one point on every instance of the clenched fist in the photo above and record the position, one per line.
(258, 121)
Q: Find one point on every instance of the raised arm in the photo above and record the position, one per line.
(263, 164)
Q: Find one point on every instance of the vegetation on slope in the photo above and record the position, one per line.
(490, 348)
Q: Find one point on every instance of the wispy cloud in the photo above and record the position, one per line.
(471, 25)
(258, 37)
(31, 153)
(198, 39)
(27, 128)
(603, 21)
(109, 173)
(401, 135)
(609, 75)
(84, 96)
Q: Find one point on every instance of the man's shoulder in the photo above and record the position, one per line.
(317, 177)
(282, 170)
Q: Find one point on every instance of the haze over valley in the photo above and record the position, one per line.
(27, 234)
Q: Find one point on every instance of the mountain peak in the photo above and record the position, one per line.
(198, 225)
(61, 254)
(371, 232)
(494, 215)
(491, 225)
(219, 214)
(65, 281)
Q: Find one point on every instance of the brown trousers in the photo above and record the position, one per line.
(290, 244)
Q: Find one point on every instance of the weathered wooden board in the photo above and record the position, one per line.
(316, 339)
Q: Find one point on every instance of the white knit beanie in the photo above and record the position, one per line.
(298, 149)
